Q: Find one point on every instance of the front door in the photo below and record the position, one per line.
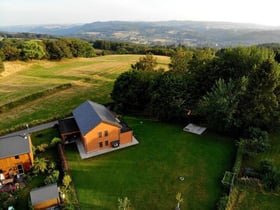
(20, 169)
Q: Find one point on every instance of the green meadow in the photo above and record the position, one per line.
(148, 173)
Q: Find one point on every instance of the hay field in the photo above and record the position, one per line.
(91, 78)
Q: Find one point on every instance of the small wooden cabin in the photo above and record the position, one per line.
(16, 155)
(45, 197)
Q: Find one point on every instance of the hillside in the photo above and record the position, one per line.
(91, 78)
(189, 33)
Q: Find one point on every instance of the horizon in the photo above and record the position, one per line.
(146, 21)
(70, 12)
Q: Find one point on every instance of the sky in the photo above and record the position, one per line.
(31, 12)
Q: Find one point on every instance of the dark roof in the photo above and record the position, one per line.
(90, 114)
(125, 127)
(68, 125)
(42, 194)
(14, 145)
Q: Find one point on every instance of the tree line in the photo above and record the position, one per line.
(115, 47)
(51, 49)
(232, 90)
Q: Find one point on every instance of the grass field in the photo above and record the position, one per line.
(91, 78)
(148, 173)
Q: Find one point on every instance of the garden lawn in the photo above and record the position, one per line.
(148, 173)
(252, 199)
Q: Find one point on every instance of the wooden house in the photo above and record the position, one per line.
(97, 128)
(45, 197)
(16, 156)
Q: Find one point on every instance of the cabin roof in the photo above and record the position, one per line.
(43, 194)
(14, 145)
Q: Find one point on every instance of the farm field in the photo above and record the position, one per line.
(148, 173)
(90, 78)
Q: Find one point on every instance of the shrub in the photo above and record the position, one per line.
(271, 180)
(256, 141)
(266, 167)
(52, 178)
(55, 141)
(40, 165)
(42, 147)
(1, 66)
(222, 203)
(66, 180)
(270, 176)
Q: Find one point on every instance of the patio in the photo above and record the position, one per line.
(85, 155)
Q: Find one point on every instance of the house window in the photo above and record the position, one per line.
(106, 133)
(106, 143)
(99, 134)
(100, 144)
(16, 157)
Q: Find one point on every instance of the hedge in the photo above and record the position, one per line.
(34, 96)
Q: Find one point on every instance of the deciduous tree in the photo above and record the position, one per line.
(146, 63)
(32, 50)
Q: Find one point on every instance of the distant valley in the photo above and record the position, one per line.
(188, 33)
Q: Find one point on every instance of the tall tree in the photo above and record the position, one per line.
(170, 97)
(219, 106)
(146, 63)
(132, 91)
(259, 106)
(180, 60)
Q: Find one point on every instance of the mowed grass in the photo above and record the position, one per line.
(148, 173)
(91, 78)
(251, 199)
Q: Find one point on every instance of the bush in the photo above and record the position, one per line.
(55, 141)
(222, 203)
(266, 167)
(271, 181)
(1, 66)
(52, 177)
(256, 141)
(66, 180)
(42, 147)
(270, 176)
(40, 165)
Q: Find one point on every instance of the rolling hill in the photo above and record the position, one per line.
(189, 33)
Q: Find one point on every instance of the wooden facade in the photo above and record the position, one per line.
(104, 135)
(46, 204)
(17, 157)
